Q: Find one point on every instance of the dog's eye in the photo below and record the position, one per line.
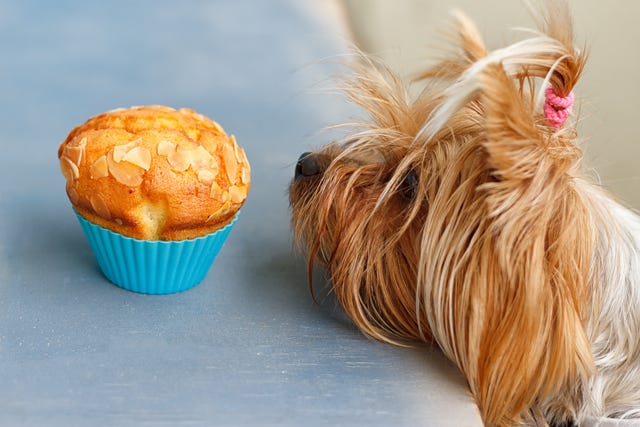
(409, 186)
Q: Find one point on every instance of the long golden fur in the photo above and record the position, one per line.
(459, 217)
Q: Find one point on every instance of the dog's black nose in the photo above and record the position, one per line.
(307, 165)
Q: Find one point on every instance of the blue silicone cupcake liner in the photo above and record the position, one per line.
(154, 267)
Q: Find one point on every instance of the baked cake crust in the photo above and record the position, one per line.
(155, 173)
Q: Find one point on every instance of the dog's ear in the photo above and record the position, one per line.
(533, 340)
(505, 301)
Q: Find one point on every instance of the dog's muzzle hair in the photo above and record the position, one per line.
(463, 217)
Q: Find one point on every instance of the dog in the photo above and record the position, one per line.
(464, 216)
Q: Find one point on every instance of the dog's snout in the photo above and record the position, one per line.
(307, 165)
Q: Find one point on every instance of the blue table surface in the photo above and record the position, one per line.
(247, 347)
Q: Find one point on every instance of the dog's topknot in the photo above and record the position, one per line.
(549, 55)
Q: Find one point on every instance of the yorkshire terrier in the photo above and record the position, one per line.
(464, 217)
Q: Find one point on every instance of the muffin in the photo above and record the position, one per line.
(154, 188)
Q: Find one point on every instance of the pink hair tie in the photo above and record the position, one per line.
(557, 108)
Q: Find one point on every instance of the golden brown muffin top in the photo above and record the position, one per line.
(155, 173)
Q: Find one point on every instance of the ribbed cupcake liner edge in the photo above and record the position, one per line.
(154, 267)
